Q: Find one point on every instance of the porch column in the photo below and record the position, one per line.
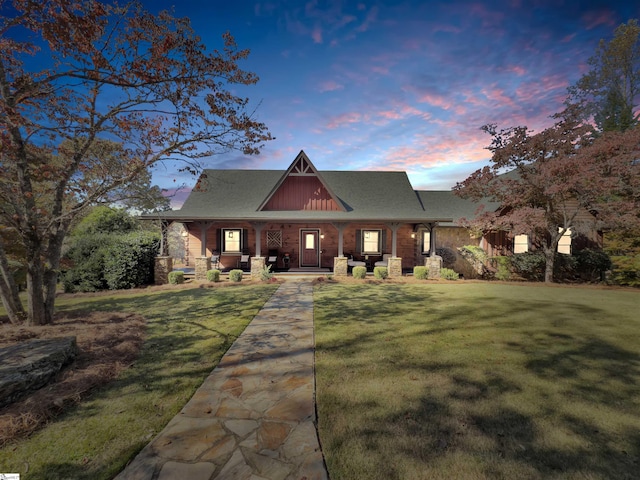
(164, 238)
(163, 265)
(204, 226)
(339, 226)
(432, 238)
(258, 226)
(394, 226)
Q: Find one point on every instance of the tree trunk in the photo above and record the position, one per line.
(35, 292)
(549, 256)
(9, 291)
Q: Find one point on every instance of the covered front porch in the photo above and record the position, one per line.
(314, 247)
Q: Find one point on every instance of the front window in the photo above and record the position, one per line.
(564, 245)
(371, 240)
(521, 243)
(231, 240)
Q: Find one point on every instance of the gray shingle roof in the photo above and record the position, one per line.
(446, 204)
(238, 194)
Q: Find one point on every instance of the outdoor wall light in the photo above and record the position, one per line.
(322, 236)
(413, 235)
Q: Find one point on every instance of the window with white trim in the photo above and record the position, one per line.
(231, 240)
(521, 243)
(371, 242)
(564, 245)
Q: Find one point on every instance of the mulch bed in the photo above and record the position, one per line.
(107, 344)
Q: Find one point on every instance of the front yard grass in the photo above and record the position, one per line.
(188, 331)
(478, 381)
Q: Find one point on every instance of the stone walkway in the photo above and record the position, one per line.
(254, 417)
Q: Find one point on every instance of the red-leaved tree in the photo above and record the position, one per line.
(563, 178)
(92, 95)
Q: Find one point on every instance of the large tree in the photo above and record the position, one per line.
(560, 179)
(92, 95)
(608, 92)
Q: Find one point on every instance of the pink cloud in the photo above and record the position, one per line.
(344, 119)
(595, 19)
(330, 86)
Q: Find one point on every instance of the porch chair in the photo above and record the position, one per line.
(244, 262)
(354, 263)
(384, 262)
(215, 261)
(272, 259)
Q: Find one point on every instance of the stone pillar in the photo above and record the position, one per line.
(394, 267)
(434, 264)
(340, 266)
(161, 269)
(203, 265)
(257, 264)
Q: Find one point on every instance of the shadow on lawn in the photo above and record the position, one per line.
(562, 361)
(183, 326)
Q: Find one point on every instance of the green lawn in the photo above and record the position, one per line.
(188, 331)
(478, 380)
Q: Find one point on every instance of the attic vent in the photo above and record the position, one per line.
(302, 168)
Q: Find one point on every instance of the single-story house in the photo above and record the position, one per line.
(309, 220)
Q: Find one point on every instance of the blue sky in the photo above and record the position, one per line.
(400, 85)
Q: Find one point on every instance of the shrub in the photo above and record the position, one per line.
(448, 274)
(503, 268)
(359, 272)
(129, 261)
(86, 259)
(421, 273)
(265, 273)
(176, 277)
(235, 275)
(448, 256)
(530, 265)
(476, 252)
(213, 275)
(380, 272)
(591, 264)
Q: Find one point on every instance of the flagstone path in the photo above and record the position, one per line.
(254, 417)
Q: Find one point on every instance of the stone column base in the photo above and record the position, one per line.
(203, 265)
(394, 267)
(340, 266)
(257, 264)
(434, 265)
(161, 269)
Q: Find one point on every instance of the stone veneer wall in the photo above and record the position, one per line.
(203, 265)
(161, 269)
(257, 264)
(340, 267)
(394, 267)
(434, 265)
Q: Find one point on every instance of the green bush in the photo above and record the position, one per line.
(235, 275)
(448, 256)
(265, 273)
(448, 274)
(380, 272)
(503, 268)
(591, 264)
(359, 272)
(477, 252)
(130, 259)
(85, 264)
(626, 270)
(529, 265)
(421, 273)
(213, 275)
(176, 277)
